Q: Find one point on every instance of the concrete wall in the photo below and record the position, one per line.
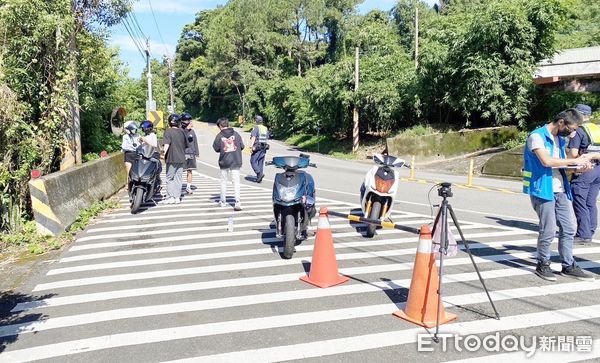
(58, 198)
(438, 147)
(507, 163)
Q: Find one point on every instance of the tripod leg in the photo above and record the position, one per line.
(443, 218)
(466, 244)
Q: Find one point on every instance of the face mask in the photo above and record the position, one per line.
(566, 132)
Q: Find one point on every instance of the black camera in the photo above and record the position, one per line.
(445, 190)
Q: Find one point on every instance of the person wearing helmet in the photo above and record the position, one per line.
(192, 151)
(149, 140)
(175, 143)
(130, 143)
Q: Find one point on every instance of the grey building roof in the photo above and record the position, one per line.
(570, 63)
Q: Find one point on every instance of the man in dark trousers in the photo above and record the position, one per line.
(585, 184)
(175, 143)
(258, 139)
(192, 151)
(229, 145)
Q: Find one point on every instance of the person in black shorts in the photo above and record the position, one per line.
(191, 152)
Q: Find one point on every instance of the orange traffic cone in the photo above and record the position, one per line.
(324, 267)
(422, 304)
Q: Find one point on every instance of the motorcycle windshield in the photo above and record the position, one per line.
(290, 162)
(146, 151)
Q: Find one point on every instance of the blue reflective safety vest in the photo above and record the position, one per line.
(537, 179)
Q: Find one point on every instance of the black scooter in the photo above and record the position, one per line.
(293, 200)
(144, 177)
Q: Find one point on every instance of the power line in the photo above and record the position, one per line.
(133, 38)
(132, 14)
(158, 28)
(136, 32)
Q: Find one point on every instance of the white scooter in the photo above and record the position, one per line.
(378, 191)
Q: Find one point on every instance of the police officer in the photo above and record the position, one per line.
(585, 184)
(258, 139)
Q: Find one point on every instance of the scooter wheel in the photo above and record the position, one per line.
(374, 214)
(289, 237)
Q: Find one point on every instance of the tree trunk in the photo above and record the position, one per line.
(72, 151)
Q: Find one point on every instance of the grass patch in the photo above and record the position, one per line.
(27, 239)
(518, 140)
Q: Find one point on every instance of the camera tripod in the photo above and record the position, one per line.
(441, 221)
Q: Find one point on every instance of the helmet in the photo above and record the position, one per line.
(174, 120)
(186, 118)
(147, 126)
(130, 127)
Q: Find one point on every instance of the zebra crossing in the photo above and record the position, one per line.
(172, 284)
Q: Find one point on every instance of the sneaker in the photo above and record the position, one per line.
(260, 177)
(188, 190)
(238, 206)
(582, 241)
(177, 200)
(168, 201)
(576, 272)
(223, 204)
(544, 271)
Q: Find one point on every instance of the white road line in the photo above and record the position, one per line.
(297, 351)
(261, 280)
(228, 302)
(539, 357)
(237, 243)
(380, 340)
(426, 205)
(275, 263)
(188, 216)
(253, 252)
(172, 208)
(186, 222)
(261, 232)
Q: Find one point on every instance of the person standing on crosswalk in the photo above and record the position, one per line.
(545, 180)
(191, 152)
(175, 143)
(258, 139)
(229, 145)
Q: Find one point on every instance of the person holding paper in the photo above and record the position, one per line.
(545, 180)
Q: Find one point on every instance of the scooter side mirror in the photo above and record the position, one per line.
(312, 165)
(398, 163)
(378, 158)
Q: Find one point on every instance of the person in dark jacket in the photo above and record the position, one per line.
(175, 143)
(229, 145)
(192, 151)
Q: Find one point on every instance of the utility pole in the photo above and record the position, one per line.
(416, 37)
(171, 76)
(355, 139)
(150, 105)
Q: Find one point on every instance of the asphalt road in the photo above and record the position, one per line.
(172, 284)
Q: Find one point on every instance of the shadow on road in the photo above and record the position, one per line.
(515, 223)
(8, 300)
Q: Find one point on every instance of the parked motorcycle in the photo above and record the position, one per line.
(144, 177)
(379, 188)
(293, 200)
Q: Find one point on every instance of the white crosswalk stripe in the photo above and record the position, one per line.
(173, 276)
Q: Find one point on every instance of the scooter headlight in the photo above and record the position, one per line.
(288, 194)
(383, 186)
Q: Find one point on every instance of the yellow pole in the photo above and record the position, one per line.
(412, 168)
(470, 176)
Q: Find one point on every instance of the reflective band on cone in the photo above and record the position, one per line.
(423, 297)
